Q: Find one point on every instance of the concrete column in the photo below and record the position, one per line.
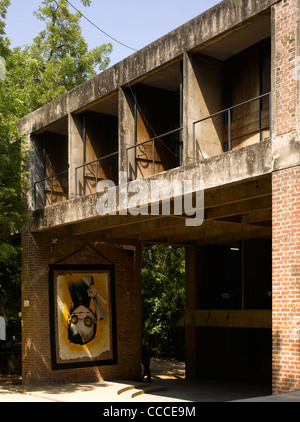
(36, 196)
(191, 304)
(76, 153)
(127, 128)
(202, 96)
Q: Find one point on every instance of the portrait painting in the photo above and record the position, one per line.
(82, 315)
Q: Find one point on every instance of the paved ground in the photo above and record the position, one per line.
(168, 385)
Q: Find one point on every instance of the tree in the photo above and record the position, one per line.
(13, 159)
(163, 295)
(57, 60)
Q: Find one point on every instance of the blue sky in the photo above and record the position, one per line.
(135, 23)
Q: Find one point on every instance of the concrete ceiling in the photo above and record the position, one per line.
(236, 41)
(168, 78)
(107, 106)
(60, 127)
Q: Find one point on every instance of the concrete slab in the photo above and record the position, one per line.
(159, 391)
(168, 385)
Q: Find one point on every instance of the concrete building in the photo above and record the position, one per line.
(215, 101)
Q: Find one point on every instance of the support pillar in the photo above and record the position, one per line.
(286, 194)
(76, 154)
(127, 132)
(286, 280)
(191, 305)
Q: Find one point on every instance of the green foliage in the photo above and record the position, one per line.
(13, 159)
(163, 293)
(10, 284)
(57, 61)
(13, 209)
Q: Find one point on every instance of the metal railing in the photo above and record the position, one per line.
(228, 111)
(94, 174)
(153, 140)
(52, 187)
(94, 166)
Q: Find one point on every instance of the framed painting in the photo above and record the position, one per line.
(82, 316)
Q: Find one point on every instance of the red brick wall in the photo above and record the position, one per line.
(45, 249)
(286, 280)
(286, 212)
(285, 39)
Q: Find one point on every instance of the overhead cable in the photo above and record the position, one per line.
(101, 30)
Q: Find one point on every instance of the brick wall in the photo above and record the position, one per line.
(285, 41)
(286, 280)
(286, 211)
(45, 249)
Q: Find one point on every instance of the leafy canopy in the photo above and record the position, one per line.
(57, 60)
(13, 214)
(163, 294)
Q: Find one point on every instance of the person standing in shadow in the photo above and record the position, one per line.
(146, 364)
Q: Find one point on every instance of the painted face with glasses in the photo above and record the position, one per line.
(82, 321)
(82, 325)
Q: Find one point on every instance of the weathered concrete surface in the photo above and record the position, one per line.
(286, 151)
(211, 24)
(231, 167)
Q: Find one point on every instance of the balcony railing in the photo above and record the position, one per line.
(91, 172)
(228, 113)
(153, 159)
(54, 189)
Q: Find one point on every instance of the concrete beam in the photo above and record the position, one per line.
(110, 222)
(210, 229)
(143, 229)
(229, 319)
(215, 232)
(239, 208)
